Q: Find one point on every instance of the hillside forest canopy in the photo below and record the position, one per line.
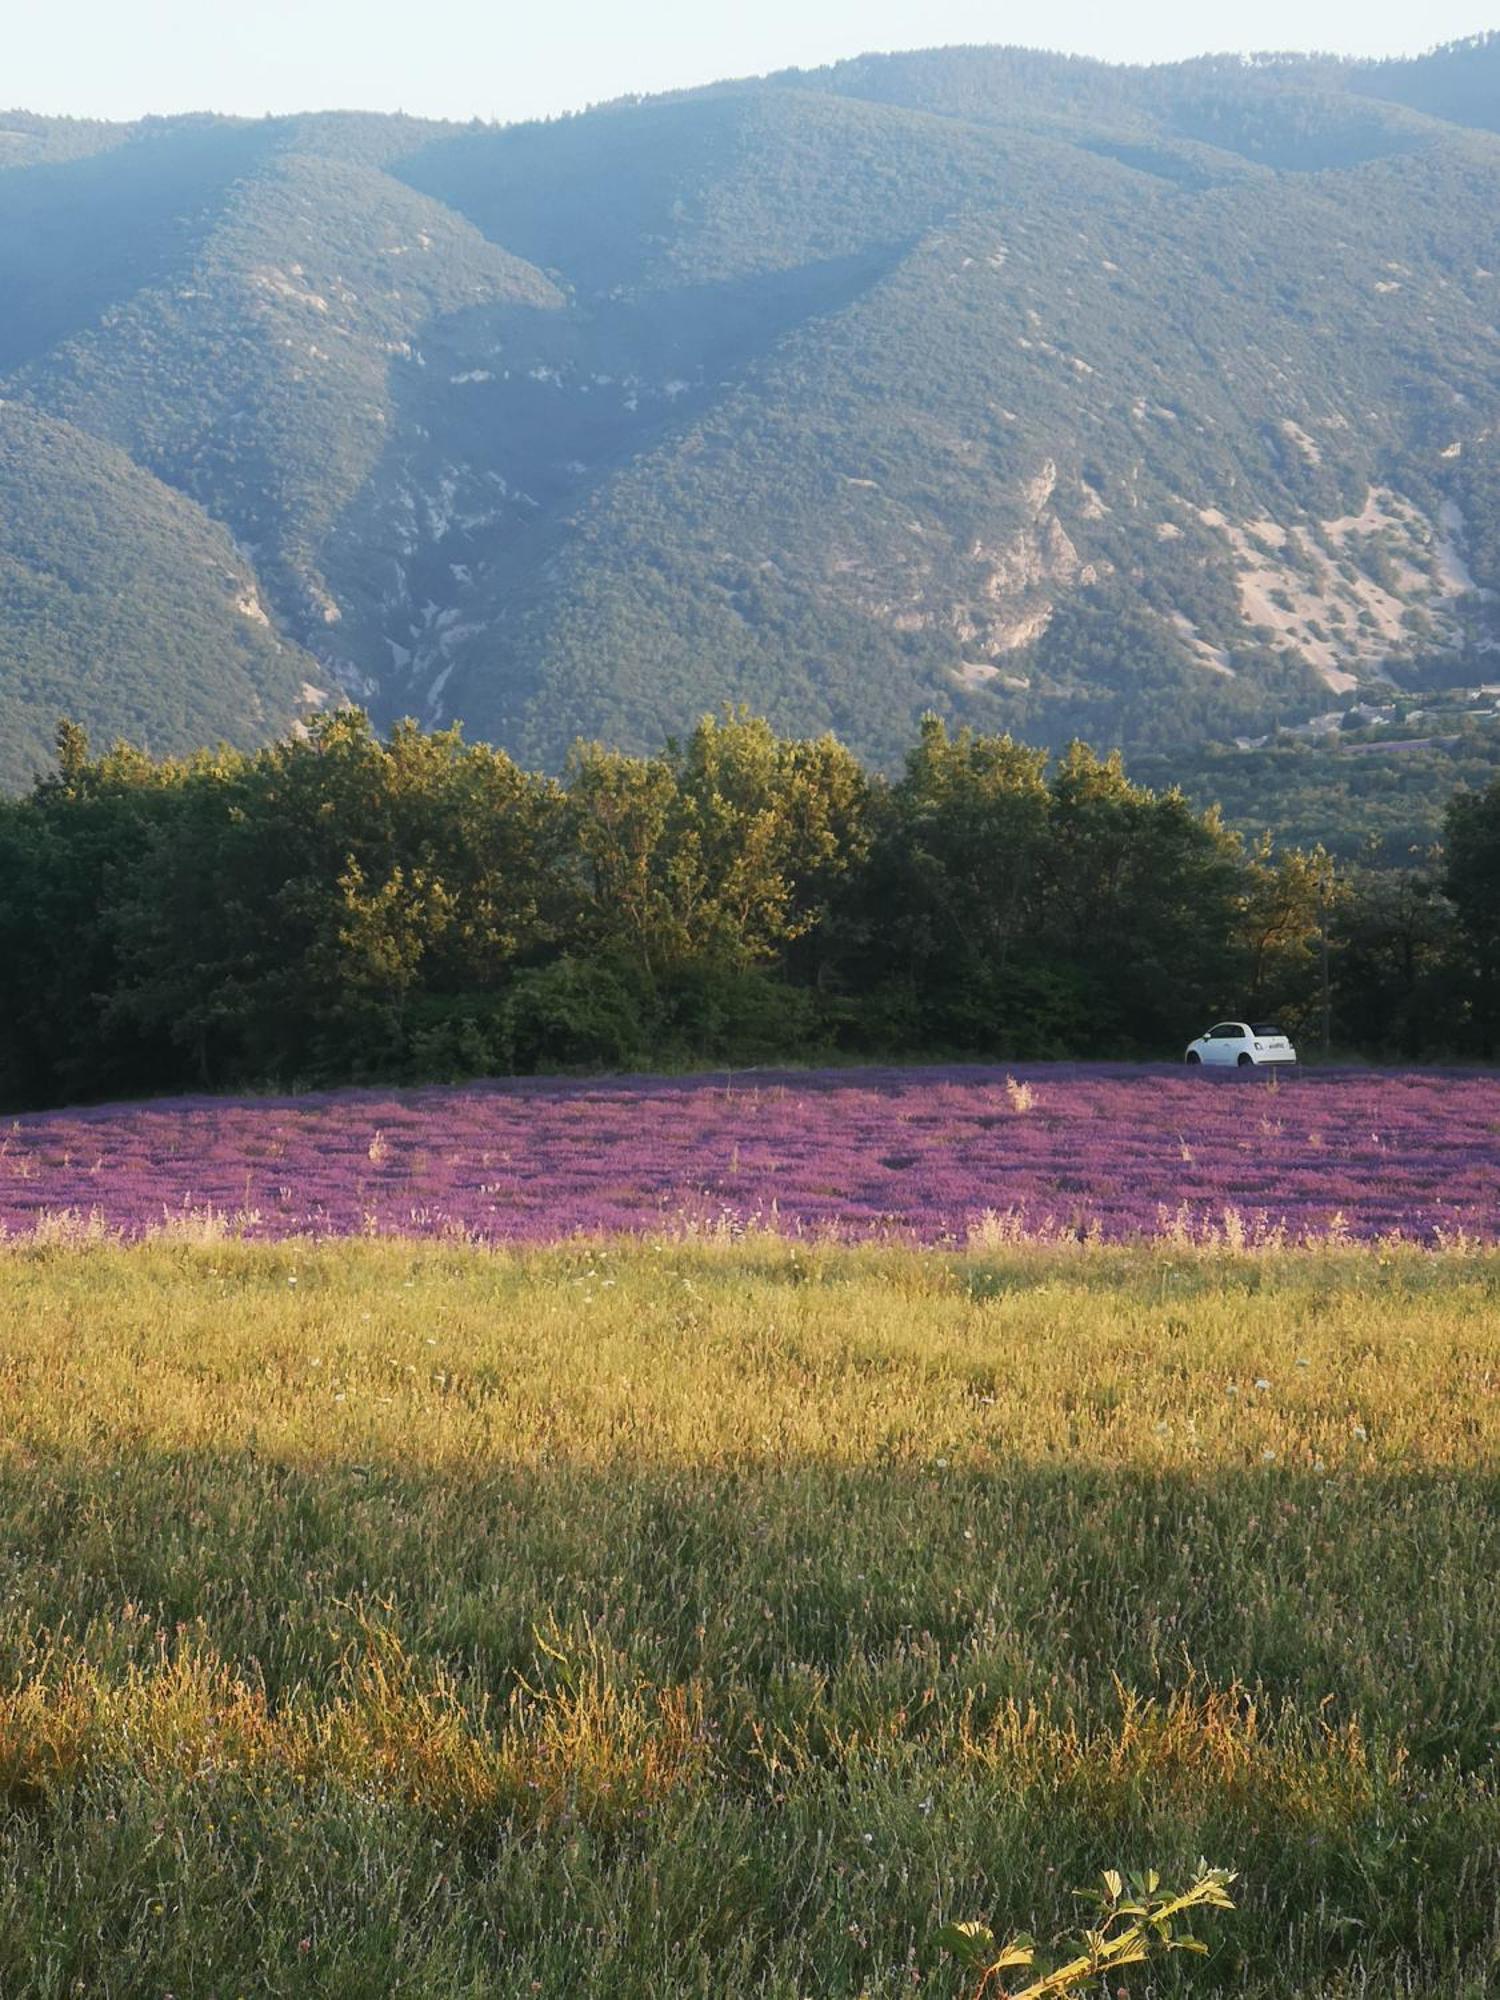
(342, 907)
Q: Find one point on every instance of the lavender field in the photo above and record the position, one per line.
(930, 1156)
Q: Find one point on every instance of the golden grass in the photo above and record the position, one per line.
(441, 1358)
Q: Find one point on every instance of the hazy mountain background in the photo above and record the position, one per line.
(1159, 405)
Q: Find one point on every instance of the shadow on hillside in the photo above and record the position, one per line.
(509, 421)
(81, 236)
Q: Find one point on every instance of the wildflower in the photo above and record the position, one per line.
(1303, 1362)
(1233, 1389)
(1261, 1382)
(1162, 1428)
(1361, 1433)
(1267, 1455)
(1319, 1466)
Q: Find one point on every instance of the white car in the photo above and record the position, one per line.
(1241, 1045)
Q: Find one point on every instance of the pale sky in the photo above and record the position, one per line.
(496, 59)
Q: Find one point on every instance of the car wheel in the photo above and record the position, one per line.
(1192, 1056)
(1245, 1061)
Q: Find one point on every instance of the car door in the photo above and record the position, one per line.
(1222, 1043)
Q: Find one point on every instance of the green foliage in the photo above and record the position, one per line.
(1370, 802)
(341, 907)
(726, 849)
(1472, 883)
(1040, 915)
(1137, 1922)
(1285, 910)
(278, 924)
(1400, 970)
(60, 855)
(579, 1013)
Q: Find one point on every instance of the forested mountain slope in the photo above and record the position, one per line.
(1158, 405)
(126, 607)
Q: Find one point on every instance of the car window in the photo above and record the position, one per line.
(1225, 1032)
(1264, 1028)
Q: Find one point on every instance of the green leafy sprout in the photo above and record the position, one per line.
(1137, 1921)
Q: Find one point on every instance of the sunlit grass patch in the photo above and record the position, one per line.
(592, 1748)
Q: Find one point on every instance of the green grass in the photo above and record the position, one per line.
(382, 1619)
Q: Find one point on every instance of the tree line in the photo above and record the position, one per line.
(342, 907)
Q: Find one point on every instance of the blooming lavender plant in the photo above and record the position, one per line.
(933, 1155)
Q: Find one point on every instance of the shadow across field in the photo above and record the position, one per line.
(1369, 1597)
(776, 1714)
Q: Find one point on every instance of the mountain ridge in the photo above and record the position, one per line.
(1156, 404)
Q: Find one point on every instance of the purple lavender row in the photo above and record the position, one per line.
(920, 1155)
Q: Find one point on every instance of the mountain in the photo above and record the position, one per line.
(126, 607)
(1160, 405)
